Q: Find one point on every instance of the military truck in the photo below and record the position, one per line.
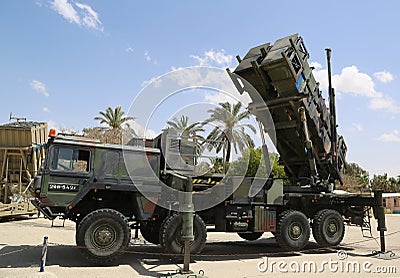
(109, 189)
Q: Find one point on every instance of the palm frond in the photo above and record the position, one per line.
(229, 129)
(114, 118)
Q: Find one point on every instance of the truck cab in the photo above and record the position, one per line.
(78, 168)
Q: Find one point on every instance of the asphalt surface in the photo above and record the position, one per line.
(225, 255)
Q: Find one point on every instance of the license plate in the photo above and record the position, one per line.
(63, 187)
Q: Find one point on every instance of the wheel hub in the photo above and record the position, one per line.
(295, 231)
(103, 236)
(332, 228)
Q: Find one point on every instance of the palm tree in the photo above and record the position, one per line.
(182, 125)
(229, 131)
(184, 128)
(113, 118)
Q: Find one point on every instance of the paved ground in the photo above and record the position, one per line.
(225, 255)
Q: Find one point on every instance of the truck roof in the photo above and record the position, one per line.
(77, 140)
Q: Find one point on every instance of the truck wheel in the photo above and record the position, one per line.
(328, 227)
(160, 234)
(104, 234)
(172, 235)
(150, 232)
(293, 230)
(251, 236)
(78, 221)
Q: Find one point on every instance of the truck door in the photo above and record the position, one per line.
(68, 170)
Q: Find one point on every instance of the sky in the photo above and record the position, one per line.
(63, 61)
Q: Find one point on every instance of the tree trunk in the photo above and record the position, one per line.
(228, 152)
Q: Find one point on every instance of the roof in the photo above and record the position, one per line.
(388, 195)
(83, 141)
(22, 124)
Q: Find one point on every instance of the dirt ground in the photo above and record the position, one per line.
(225, 255)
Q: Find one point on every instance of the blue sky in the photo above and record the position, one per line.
(63, 61)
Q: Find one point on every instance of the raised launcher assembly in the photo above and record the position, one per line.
(282, 76)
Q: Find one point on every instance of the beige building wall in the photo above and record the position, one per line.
(391, 203)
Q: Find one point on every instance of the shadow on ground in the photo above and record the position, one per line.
(12, 218)
(140, 255)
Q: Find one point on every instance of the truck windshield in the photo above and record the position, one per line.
(68, 159)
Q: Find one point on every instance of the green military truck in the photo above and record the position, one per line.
(109, 189)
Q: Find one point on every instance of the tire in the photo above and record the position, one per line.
(103, 235)
(160, 235)
(171, 235)
(78, 221)
(293, 230)
(328, 227)
(251, 236)
(150, 232)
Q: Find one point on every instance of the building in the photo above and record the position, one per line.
(391, 202)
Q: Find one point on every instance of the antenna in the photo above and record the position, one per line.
(332, 108)
(18, 119)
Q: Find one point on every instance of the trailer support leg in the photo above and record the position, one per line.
(187, 225)
(379, 214)
(187, 212)
(186, 258)
(383, 244)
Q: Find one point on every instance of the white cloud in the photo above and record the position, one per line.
(384, 76)
(53, 125)
(216, 80)
(321, 76)
(315, 65)
(66, 10)
(46, 110)
(352, 81)
(60, 128)
(216, 98)
(386, 103)
(149, 58)
(84, 15)
(140, 130)
(357, 127)
(154, 80)
(39, 87)
(225, 91)
(39, 3)
(89, 17)
(129, 49)
(214, 58)
(176, 68)
(147, 55)
(394, 136)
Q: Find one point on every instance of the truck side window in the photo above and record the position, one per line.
(71, 160)
(111, 159)
(137, 164)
